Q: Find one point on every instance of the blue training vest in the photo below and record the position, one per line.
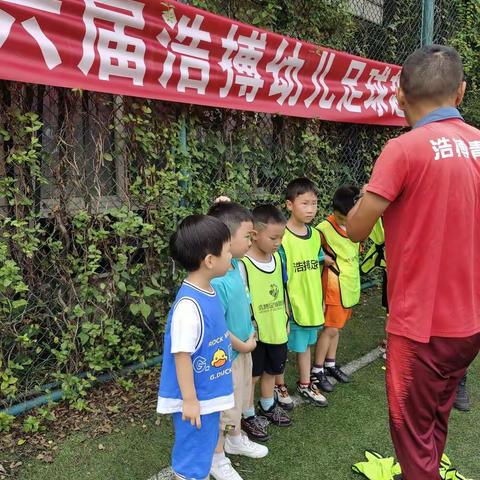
(212, 364)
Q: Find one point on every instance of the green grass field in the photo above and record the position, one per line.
(322, 444)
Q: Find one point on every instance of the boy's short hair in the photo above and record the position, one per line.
(344, 198)
(299, 186)
(264, 215)
(231, 214)
(196, 237)
(433, 72)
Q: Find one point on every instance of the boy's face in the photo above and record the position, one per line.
(340, 218)
(220, 265)
(269, 238)
(241, 239)
(304, 207)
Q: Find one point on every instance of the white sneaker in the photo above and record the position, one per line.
(283, 398)
(246, 447)
(223, 470)
(312, 394)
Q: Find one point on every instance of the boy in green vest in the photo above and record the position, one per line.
(264, 276)
(341, 282)
(302, 255)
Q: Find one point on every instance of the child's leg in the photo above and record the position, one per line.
(251, 408)
(322, 347)
(280, 379)
(267, 386)
(253, 426)
(193, 448)
(335, 323)
(332, 348)
(304, 362)
(321, 350)
(235, 442)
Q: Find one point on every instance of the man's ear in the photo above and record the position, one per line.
(460, 93)
(402, 101)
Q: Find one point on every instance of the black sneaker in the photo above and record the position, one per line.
(276, 415)
(320, 378)
(462, 402)
(256, 428)
(337, 374)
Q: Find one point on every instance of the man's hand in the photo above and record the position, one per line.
(191, 412)
(364, 214)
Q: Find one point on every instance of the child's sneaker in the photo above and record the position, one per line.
(283, 398)
(244, 446)
(337, 374)
(276, 415)
(223, 470)
(320, 378)
(256, 428)
(312, 394)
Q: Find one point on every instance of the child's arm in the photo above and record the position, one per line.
(191, 405)
(243, 347)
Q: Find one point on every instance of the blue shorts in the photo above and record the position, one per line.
(193, 449)
(301, 337)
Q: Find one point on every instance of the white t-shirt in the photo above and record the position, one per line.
(267, 267)
(187, 325)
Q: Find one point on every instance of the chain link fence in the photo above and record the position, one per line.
(91, 186)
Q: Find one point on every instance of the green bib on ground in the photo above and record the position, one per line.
(375, 256)
(347, 259)
(268, 301)
(377, 467)
(304, 285)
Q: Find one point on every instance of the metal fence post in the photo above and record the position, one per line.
(427, 22)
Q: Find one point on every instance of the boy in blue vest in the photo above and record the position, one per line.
(196, 378)
(236, 305)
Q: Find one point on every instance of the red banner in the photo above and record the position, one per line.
(171, 51)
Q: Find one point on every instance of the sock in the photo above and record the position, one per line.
(235, 439)
(249, 412)
(218, 457)
(303, 385)
(266, 403)
(329, 362)
(317, 368)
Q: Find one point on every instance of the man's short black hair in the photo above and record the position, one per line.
(267, 214)
(299, 186)
(344, 198)
(433, 72)
(231, 214)
(196, 237)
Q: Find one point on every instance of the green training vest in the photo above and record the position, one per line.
(268, 301)
(304, 285)
(375, 256)
(347, 254)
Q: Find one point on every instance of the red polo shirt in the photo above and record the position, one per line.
(431, 176)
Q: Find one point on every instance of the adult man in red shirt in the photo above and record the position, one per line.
(426, 183)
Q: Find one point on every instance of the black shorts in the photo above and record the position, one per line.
(269, 358)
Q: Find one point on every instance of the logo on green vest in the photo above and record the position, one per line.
(274, 291)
